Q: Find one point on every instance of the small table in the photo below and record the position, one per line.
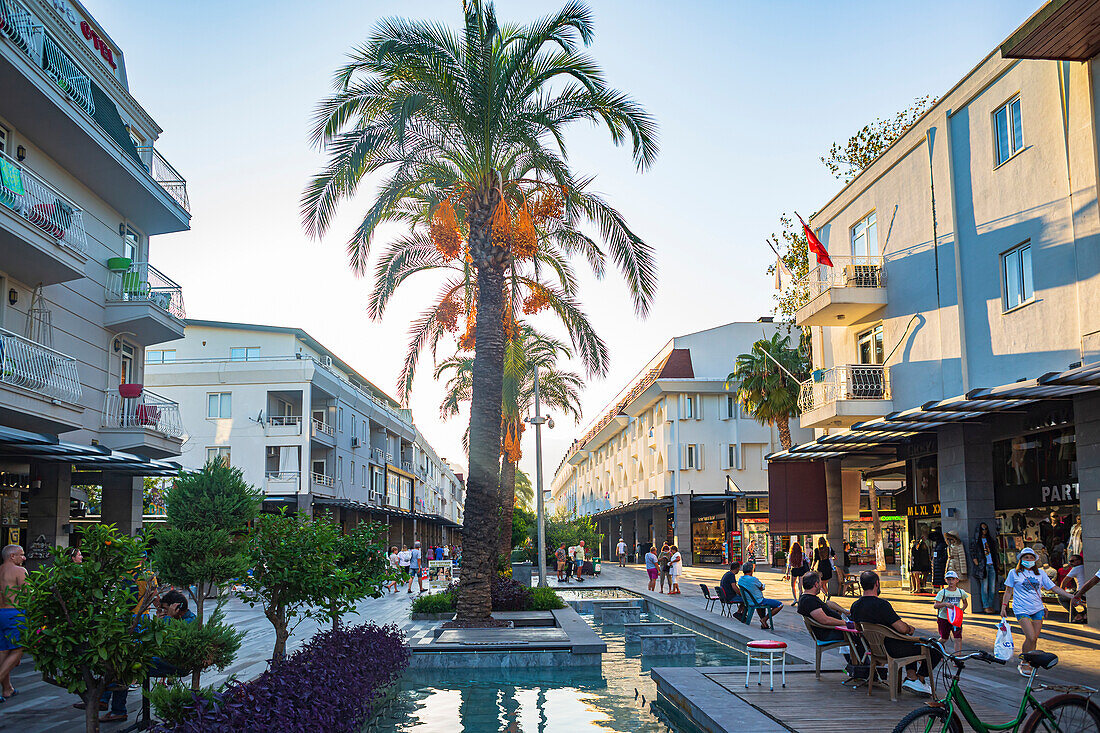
(766, 651)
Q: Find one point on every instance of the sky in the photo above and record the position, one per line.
(748, 97)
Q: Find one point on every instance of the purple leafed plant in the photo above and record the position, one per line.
(331, 684)
(510, 595)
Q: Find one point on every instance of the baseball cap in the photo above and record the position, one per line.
(950, 574)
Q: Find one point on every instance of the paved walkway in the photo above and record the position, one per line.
(44, 708)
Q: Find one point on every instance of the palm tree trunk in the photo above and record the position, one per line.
(507, 504)
(479, 540)
(784, 434)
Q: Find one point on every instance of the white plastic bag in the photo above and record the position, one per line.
(1002, 645)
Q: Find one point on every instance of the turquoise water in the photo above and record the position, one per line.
(616, 697)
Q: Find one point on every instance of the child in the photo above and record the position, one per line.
(951, 596)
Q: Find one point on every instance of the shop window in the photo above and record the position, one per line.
(887, 503)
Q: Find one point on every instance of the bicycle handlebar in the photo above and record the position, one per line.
(935, 643)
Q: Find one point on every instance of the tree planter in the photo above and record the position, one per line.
(432, 616)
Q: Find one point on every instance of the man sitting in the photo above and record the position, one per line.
(753, 590)
(870, 609)
(822, 612)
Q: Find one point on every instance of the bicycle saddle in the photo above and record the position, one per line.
(1043, 660)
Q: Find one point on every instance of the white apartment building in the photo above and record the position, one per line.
(956, 340)
(674, 458)
(306, 428)
(82, 192)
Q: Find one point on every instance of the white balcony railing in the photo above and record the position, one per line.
(166, 175)
(150, 411)
(407, 466)
(284, 421)
(323, 428)
(143, 282)
(378, 454)
(37, 368)
(27, 194)
(851, 382)
(72, 80)
(282, 477)
(322, 480)
(22, 28)
(846, 272)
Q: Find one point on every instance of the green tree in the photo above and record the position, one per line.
(561, 529)
(525, 491)
(848, 160)
(362, 564)
(764, 388)
(294, 576)
(790, 243)
(523, 520)
(558, 390)
(468, 129)
(203, 545)
(82, 619)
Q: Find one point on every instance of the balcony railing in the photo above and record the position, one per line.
(150, 411)
(284, 421)
(72, 80)
(164, 174)
(28, 195)
(322, 480)
(37, 368)
(378, 455)
(407, 466)
(143, 282)
(323, 427)
(22, 28)
(282, 477)
(851, 382)
(846, 272)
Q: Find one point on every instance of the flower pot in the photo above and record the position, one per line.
(130, 391)
(119, 264)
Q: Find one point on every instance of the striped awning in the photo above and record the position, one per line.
(22, 446)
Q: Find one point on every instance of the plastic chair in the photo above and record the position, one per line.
(875, 636)
(753, 604)
(821, 646)
(709, 600)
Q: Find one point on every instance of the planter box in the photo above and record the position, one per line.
(432, 616)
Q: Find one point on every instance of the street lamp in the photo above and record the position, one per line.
(537, 420)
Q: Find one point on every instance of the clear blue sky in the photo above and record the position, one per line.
(749, 96)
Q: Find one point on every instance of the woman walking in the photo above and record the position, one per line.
(395, 568)
(939, 558)
(920, 564)
(824, 561)
(1023, 588)
(985, 564)
(675, 568)
(796, 568)
(662, 566)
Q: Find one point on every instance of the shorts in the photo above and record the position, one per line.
(948, 629)
(1037, 616)
(561, 566)
(405, 570)
(653, 573)
(12, 622)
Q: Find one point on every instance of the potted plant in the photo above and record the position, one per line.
(119, 264)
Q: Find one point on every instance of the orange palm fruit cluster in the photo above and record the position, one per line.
(537, 300)
(447, 314)
(525, 241)
(501, 224)
(444, 231)
(467, 340)
(513, 431)
(509, 325)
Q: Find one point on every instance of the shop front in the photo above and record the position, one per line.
(861, 535)
(708, 538)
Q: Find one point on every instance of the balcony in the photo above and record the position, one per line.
(378, 456)
(282, 426)
(42, 236)
(61, 108)
(144, 301)
(281, 483)
(407, 467)
(850, 292)
(845, 395)
(41, 386)
(322, 432)
(149, 424)
(322, 484)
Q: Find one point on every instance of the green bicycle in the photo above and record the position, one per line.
(1072, 711)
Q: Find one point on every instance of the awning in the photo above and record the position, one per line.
(22, 446)
(880, 438)
(363, 506)
(1062, 30)
(796, 497)
(634, 506)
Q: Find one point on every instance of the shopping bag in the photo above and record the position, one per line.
(1002, 645)
(955, 616)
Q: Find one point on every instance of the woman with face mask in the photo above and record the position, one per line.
(1023, 588)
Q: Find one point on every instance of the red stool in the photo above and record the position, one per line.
(766, 651)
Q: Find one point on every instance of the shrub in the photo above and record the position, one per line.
(175, 703)
(545, 599)
(510, 595)
(332, 684)
(434, 603)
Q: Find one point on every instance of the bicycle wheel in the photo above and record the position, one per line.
(1070, 713)
(928, 720)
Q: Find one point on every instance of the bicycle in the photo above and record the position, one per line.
(1072, 711)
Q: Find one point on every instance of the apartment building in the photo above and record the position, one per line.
(956, 338)
(305, 427)
(674, 458)
(83, 190)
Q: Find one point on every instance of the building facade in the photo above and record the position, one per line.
(82, 192)
(674, 458)
(956, 338)
(306, 428)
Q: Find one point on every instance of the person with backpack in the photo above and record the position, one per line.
(951, 601)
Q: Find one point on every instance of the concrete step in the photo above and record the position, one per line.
(665, 645)
(634, 631)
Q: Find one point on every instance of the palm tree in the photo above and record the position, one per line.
(466, 130)
(558, 390)
(525, 492)
(767, 391)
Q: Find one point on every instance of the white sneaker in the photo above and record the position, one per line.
(916, 686)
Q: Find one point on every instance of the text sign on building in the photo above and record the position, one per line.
(91, 33)
(923, 510)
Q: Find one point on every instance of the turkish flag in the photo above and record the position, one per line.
(815, 245)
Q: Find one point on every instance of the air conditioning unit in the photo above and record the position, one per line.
(355, 443)
(326, 361)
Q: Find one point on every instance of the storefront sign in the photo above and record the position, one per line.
(1033, 496)
(923, 510)
(439, 574)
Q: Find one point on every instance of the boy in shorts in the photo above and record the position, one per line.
(951, 597)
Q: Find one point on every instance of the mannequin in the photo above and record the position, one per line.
(1075, 546)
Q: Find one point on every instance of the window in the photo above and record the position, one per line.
(126, 364)
(218, 454)
(131, 243)
(1008, 130)
(351, 473)
(693, 456)
(244, 353)
(219, 405)
(869, 346)
(689, 406)
(733, 457)
(4, 135)
(1016, 271)
(160, 356)
(340, 419)
(865, 237)
(354, 428)
(318, 467)
(752, 505)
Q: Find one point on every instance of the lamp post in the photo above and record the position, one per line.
(537, 420)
